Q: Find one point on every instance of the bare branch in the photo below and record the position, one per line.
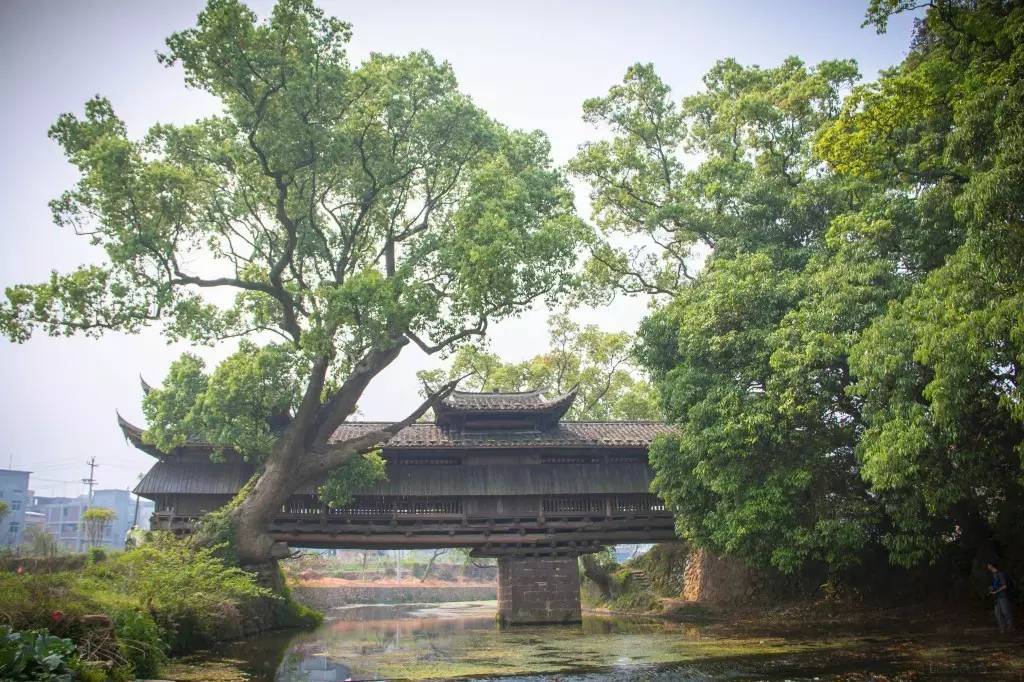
(478, 330)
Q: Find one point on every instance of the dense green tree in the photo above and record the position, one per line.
(844, 371)
(750, 354)
(940, 372)
(331, 216)
(755, 184)
(598, 364)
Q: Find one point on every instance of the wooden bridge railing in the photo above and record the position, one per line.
(447, 510)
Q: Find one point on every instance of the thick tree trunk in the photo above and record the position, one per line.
(251, 518)
(303, 456)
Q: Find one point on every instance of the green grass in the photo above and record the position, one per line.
(163, 597)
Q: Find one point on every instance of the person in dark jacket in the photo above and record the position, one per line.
(1000, 590)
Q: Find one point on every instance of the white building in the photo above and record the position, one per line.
(15, 494)
(63, 515)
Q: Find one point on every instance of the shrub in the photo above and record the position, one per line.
(38, 542)
(183, 588)
(36, 655)
(138, 637)
(97, 555)
(165, 595)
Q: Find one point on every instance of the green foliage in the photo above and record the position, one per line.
(181, 584)
(233, 404)
(757, 182)
(4, 509)
(35, 655)
(96, 521)
(749, 355)
(140, 641)
(358, 473)
(939, 372)
(844, 371)
(162, 596)
(597, 363)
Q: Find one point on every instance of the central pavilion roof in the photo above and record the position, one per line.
(493, 401)
(532, 406)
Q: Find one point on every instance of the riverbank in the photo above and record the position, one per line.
(117, 616)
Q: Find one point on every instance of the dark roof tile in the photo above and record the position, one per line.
(434, 436)
(564, 434)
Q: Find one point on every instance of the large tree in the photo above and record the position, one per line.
(940, 372)
(844, 372)
(331, 216)
(749, 352)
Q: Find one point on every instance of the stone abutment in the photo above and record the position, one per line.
(535, 590)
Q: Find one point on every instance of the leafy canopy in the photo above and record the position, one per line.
(844, 372)
(939, 372)
(763, 463)
(331, 214)
(750, 127)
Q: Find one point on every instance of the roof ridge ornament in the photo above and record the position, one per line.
(503, 410)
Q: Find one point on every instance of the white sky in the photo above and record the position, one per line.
(528, 63)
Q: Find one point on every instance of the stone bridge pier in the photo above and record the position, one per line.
(538, 589)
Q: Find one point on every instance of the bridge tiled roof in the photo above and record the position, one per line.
(563, 434)
(530, 406)
(630, 435)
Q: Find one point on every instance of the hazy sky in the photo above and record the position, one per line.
(529, 63)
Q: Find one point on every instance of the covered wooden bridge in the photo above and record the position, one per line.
(500, 473)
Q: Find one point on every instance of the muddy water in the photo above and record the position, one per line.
(461, 640)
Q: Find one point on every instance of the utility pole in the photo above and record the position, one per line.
(91, 481)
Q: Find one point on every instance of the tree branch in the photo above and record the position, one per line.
(343, 403)
(478, 330)
(338, 453)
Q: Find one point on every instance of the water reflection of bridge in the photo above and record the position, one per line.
(496, 472)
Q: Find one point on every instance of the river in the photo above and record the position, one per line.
(462, 640)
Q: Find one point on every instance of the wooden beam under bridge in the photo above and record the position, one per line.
(332, 540)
